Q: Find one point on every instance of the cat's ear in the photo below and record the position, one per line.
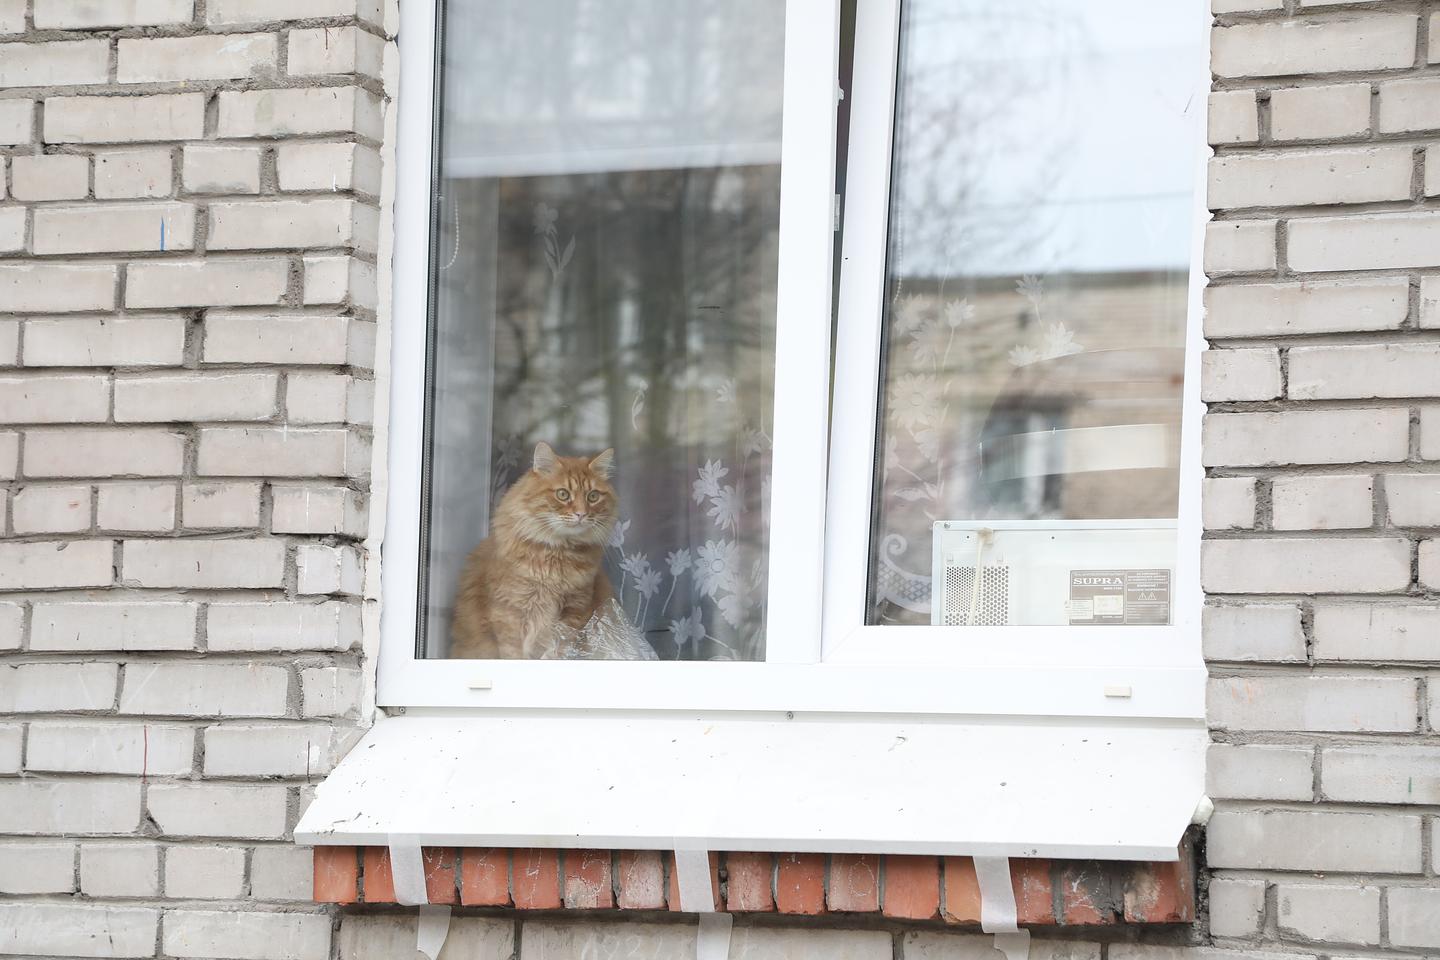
(545, 459)
(604, 464)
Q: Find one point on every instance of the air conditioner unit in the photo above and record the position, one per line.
(1038, 572)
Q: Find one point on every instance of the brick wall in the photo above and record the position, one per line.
(1323, 497)
(189, 231)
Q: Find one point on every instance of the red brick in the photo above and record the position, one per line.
(642, 880)
(1085, 893)
(337, 874)
(912, 888)
(674, 886)
(1033, 891)
(587, 880)
(962, 891)
(440, 885)
(537, 879)
(1162, 892)
(485, 877)
(854, 883)
(800, 883)
(379, 882)
(747, 888)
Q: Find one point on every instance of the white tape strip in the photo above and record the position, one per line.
(998, 914)
(408, 870)
(712, 941)
(433, 928)
(692, 876)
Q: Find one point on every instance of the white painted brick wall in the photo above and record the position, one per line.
(1293, 840)
(1326, 112)
(1316, 704)
(1333, 914)
(129, 869)
(1322, 502)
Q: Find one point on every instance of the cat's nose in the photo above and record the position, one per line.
(579, 514)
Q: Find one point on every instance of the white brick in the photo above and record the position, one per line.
(1291, 840)
(338, 279)
(85, 625)
(267, 224)
(57, 687)
(274, 625)
(228, 12)
(1316, 704)
(9, 329)
(221, 169)
(325, 398)
(54, 64)
(1233, 117)
(12, 16)
(1430, 564)
(1237, 906)
(125, 174)
(1375, 242)
(10, 734)
(120, 869)
(9, 454)
(213, 282)
(105, 342)
(93, 14)
(1409, 105)
(318, 510)
(154, 749)
(1228, 503)
(273, 750)
(1322, 503)
(1239, 246)
(299, 112)
(1320, 113)
(76, 929)
(197, 397)
(1292, 178)
(1329, 436)
(1274, 565)
(199, 564)
(328, 166)
(204, 690)
(32, 867)
(235, 338)
(1430, 433)
(281, 452)
(119, 119)
(103, 453)
(1250, 374)
(282, 872)
(1296, 47)
(247, 936)
(1430, 288)
(384, 937)
(57, 288)
(220, 506)
(57, 176)
(17, 122)
(55, 399)
(230, 56)
(218, 810)
(118, 227)
(36, 509)
(1377, 774)
(49, 565)
(1415, 916)
(1252, 310)
(1251, 772)
(323, 569)
(329, 692)
(12, 623)
(1333, 914)
(205, 873)
(12, 240)
(1432, 171)
(333, 50)
(136, 507)
(1377, 631)
(1434, 38)
(1413, 499)
(92, 806)
(1362, 371)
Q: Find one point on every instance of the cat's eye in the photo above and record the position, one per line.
(592, 497)
(562, 495)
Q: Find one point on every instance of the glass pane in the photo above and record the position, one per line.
(604, 267)
(1034, 328)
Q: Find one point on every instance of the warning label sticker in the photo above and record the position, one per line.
(1109, 597)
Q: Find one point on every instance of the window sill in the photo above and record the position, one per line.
(916, 888)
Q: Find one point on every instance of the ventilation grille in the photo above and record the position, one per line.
(993, 609)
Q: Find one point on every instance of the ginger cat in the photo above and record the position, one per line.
(541, 567)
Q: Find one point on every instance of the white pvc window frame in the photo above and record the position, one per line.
(821, 657)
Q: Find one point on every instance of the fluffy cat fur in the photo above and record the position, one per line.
(541, 567)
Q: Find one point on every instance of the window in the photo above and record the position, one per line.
(622, 241)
